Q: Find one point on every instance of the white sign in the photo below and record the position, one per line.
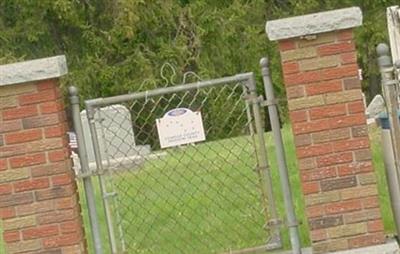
(180, 126)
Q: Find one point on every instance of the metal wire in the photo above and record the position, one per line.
(194, 198)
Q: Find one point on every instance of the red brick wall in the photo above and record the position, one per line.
(38, 196)
(332, 144)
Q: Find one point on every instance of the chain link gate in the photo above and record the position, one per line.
(213, 196)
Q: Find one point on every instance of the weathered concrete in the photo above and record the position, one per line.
(34, 70)
(390, 247)
(314, 23)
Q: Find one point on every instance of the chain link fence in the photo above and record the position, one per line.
(205, 197)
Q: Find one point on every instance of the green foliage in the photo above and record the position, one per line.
(112, 46)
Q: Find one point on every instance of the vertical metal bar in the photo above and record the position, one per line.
(391, 176)
(99, 164)
(389, 88)
(248, 114)
(87, 181)
(393, 25)
(281, 158)
(265, 171)
(120, 229)
(107, 208)
(107, 195)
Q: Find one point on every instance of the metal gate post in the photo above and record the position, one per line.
(87, 181)
(264, 169)
(110, 195)
(281, 158)
(390, 92)
(99, 163)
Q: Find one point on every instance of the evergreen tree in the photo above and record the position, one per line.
(113, 46)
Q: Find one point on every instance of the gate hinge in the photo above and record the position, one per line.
(109, 195)
(267, 103)
(262, 168)
(82, 175)
(274, 223)
(279, 223)
(260, 100)
(391, 82)
(287, 224)
(252, 99)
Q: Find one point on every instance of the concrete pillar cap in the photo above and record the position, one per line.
(34, 70)
(315, 23)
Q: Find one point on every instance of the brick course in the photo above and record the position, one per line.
(331, 137)
(39, 205)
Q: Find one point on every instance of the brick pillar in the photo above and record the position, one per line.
(329, 126)
(39, 204)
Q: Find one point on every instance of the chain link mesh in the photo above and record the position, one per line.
(195, 198)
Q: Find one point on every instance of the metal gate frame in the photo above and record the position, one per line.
(252, 99)
(393, 24)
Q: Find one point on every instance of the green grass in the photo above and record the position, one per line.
(199, 199)
(143, 190)
(181, 192)
(384, 200)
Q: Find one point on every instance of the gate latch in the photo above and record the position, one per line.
(260, 99)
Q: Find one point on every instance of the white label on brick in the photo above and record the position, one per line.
(180, 126)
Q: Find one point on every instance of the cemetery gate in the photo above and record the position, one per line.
(180, 169)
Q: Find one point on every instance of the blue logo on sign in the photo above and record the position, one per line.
(177, 112)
